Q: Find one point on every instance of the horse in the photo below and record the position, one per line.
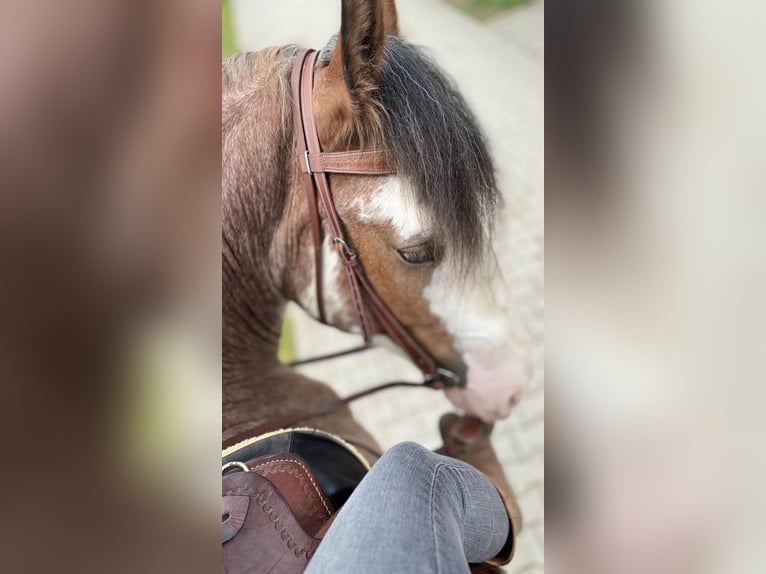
(423, 234)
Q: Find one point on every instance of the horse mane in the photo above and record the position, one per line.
(437, 147)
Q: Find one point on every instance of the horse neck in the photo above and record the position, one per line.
(257, 251)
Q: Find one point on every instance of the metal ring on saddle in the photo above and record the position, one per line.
(235, 464)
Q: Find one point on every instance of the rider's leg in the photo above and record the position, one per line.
(415, 511)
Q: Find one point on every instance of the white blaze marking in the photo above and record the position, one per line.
(393, 203)
(477, 316)
(477, 312)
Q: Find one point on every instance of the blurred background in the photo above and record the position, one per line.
(493, 49)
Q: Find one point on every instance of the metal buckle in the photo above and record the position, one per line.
(306, 159)
(444, 379)
(347, 251)
(234, 464)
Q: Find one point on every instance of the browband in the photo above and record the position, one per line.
(370, 162)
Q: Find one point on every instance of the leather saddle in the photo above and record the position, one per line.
(280, 494)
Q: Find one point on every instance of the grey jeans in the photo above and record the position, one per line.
(415, 512)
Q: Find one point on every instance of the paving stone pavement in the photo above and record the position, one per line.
(498, 66)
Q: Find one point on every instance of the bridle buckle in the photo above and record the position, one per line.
(444, 379)
(346, 252)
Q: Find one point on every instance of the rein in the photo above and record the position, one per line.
(315, 165)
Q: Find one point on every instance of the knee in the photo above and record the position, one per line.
(407, 451)
(402, 456)
(417, 472)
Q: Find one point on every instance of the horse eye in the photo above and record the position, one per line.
(418, 255)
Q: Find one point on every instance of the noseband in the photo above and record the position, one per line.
(315, 165)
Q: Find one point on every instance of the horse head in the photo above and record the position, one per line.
(422, 235)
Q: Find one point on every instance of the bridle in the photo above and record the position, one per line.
(315, 165)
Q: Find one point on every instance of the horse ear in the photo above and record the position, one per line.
(390, 17)
(357, 59)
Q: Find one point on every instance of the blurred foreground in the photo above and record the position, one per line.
(110, 296)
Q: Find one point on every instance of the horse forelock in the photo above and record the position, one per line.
(437, 147)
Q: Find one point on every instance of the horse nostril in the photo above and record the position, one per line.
(515, 399)
(225, 517)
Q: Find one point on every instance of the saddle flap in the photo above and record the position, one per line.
(296, 483)
(270, 539)
(233, 515)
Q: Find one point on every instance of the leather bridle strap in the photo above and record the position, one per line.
(314, 165)
(349, 162)
(308, 180)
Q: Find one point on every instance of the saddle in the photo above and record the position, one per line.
(280, 494)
